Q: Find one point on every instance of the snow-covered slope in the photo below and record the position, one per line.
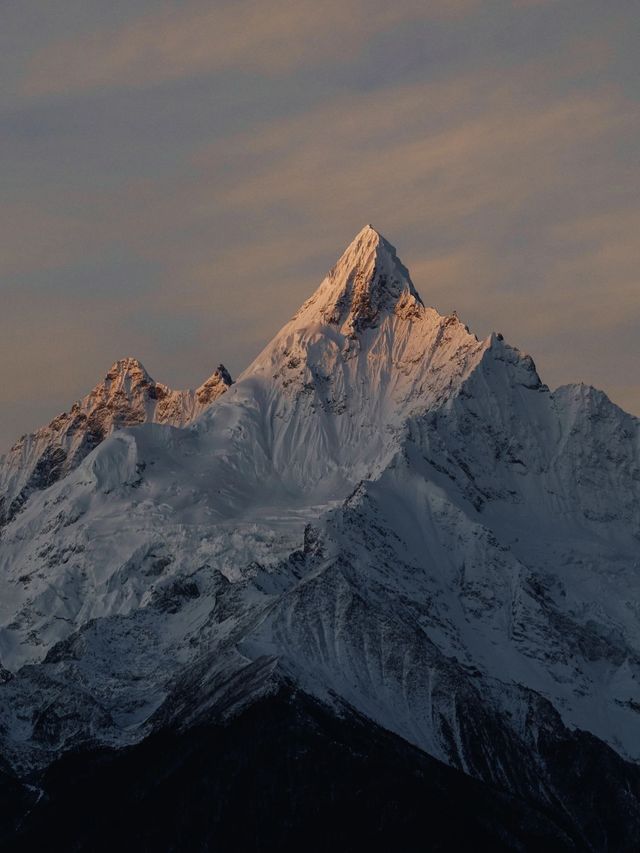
(383, 511)
(326, 402)
(126, 397)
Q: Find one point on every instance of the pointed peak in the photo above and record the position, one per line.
(367, 282)
(127, 366)
(223, 374)
(367, 231)
(215, 385)
(126, 375)
(369, 245)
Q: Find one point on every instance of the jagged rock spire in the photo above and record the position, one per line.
(215, 385)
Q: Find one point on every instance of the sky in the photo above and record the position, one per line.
(178, 177)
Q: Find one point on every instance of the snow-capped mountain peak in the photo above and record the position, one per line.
(384, 512)
(367, 281)
(365, 351)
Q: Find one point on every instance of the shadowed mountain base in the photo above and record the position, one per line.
(285, 775)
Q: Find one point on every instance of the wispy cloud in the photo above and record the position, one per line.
(195, 38)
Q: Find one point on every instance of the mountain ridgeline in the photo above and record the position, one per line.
(386, 583)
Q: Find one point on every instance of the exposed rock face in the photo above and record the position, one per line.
(214, 386)
(384, 517)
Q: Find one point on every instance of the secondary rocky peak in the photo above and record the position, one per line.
(129, 363)
(128, 376)
(216, 385)
(368, 281)
(126, 397)
(127, 366)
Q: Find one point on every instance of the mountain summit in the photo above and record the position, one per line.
(367, 281)
(388, 540)
(338, 381)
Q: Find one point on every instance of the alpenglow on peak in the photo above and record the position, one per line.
(367, 281)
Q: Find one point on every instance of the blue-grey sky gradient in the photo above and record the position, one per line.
(178, 177)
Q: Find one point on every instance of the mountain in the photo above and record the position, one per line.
(127, 396)
(387, 542)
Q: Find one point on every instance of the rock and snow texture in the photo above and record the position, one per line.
(383, 510)
(127, 396)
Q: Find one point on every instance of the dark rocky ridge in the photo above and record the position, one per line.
(289, 775)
